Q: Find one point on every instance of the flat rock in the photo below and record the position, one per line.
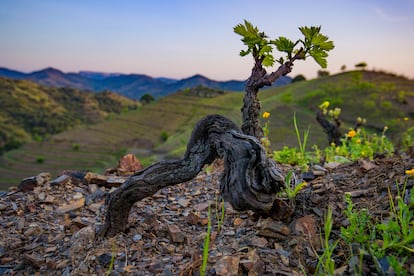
(227, 266)
(176, 234)
(72, 206)
(253, 264)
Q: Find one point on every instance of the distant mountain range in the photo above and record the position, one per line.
(133, 86)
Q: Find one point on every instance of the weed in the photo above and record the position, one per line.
(220, 219)
(206, 246)
(208, 169)
(75, 146)
(326, 264)
(359, 224)
(391, 239)
(358, 144)
(111, 264)
(302, 145)
(295, 156)
(398, 232)
(164, 136)
(265, 140)
(407, 140)
(40, 159)
(290, 191)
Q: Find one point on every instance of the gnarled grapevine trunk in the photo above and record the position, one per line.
(249, 180)
(258, 79)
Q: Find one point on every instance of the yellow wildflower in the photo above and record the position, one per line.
(351, 133)
(336, 112)
(405, 118)
(266, 115)
(409, 172)
(324, 105)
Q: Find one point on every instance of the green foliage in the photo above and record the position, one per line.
(392, 238)
(40, 159)
(302, 145)
(359, 144)
(266, 131)
(402, 97)
(407, 140)
(314, 44)
(361, 65)
(290, 191)
(323, 73)
(146, 99)
(164, 136)
(359, 223)
(298, 78)
(75, 146)
(398, 232)
(295, 156)
(292, 156)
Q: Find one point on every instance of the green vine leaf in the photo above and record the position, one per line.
(284, 44)
(314, 44)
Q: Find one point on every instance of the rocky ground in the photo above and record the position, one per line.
(48, 227)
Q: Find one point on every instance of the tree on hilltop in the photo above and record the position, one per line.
(146, 99)
(361, 65)
(252, 181)
(298, 78)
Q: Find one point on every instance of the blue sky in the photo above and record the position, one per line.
(177, 39)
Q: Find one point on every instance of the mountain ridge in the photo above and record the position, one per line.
(133, 86)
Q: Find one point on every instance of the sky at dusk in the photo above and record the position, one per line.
(177, 39)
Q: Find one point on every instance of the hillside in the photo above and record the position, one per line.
(161, 129)
(29, 111)
(133, 86)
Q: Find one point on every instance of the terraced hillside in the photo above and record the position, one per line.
(161, 129)
(95, 147)
(29, 111)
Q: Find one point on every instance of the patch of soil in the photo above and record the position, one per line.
(51, 230)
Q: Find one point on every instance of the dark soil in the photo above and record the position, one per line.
(51, 230)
